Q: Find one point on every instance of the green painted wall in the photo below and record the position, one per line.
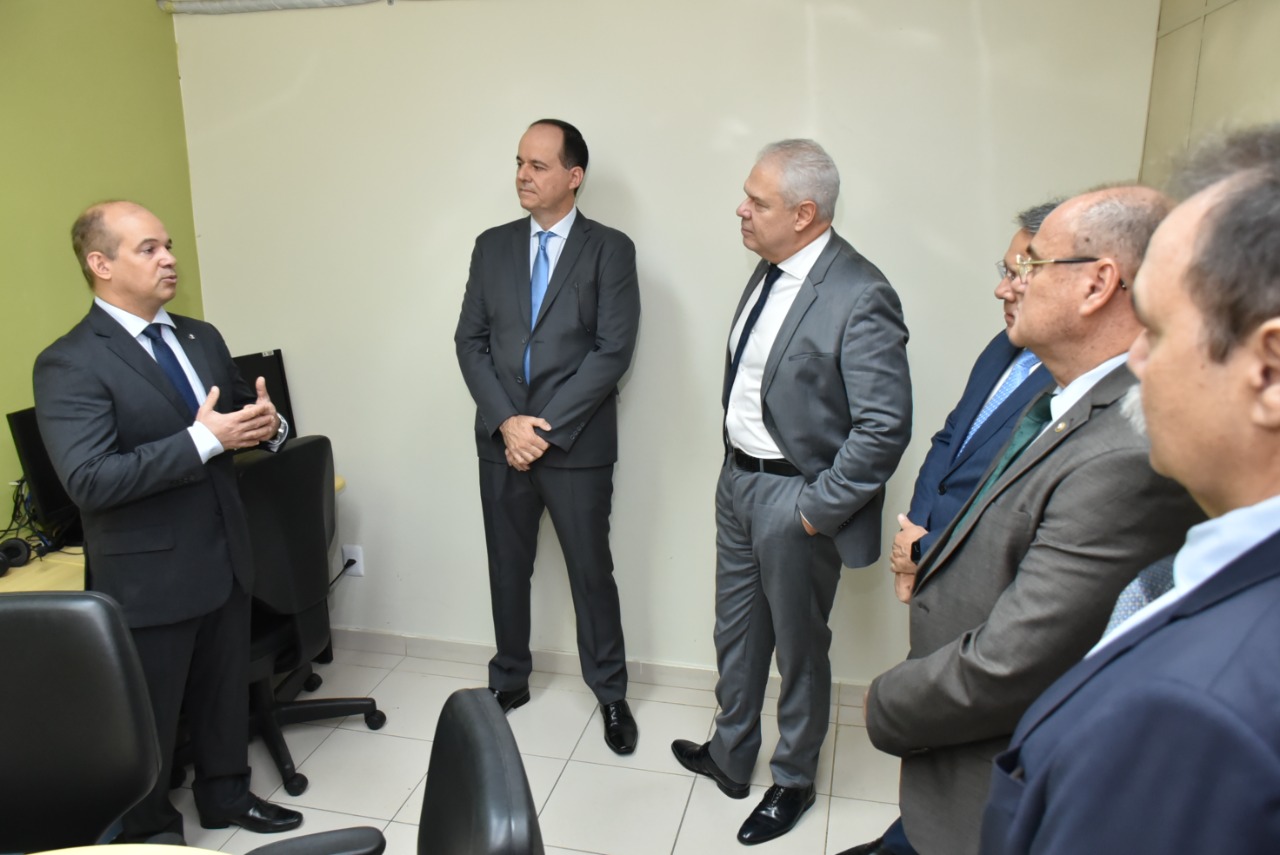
(90, 109)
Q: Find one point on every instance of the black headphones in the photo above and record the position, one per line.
(14, 552)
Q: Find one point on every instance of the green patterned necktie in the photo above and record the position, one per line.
(1029, 427)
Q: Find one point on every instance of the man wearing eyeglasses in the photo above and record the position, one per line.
(1022, 582)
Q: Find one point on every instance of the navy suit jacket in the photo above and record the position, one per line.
(948, 475)
(1167, 740)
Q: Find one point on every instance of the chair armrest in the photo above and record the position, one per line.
(361, 840)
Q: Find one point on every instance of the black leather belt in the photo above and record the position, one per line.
(769, 466)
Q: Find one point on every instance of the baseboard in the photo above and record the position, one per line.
(555, 662)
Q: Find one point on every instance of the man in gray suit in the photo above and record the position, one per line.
(817, 400)
(118, 400)
(547, 329)
(1022, 582)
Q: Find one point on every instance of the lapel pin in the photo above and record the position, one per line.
(1060, 427)
(191, 336)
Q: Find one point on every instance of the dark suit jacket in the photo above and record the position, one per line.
(1166, 740)
(837, 394)
(582, 344)
(949, 475)
(163, 532)
(1011, 597)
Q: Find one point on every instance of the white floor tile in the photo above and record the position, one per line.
(543, 774)
(411, 811)
(552, 722)
(671, 695)
(347, 679)
(614, 811)
(402, 839)
(853, 822)
(659, 725)
(862, 772)
(367, 774)
(302, 740)
(762, 777)
(412, 703)
(367, 658)
(852, 715)
(563, 682)
(477, 675)
(712, 820)
(312, 821)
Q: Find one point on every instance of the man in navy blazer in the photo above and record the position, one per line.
(547, 329)
(1166, 738)
(140, 448)
(961, 451)
(964, 447)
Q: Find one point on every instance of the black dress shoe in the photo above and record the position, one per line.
(512, 699)
(776, 814)
(620, 731)
(262, 817)
(696, 758)
(875, 847)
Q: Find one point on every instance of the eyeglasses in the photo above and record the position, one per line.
(1023, 264)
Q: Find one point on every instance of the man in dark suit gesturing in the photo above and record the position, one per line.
(547, 330)
(817, 400)
(1166, 738)
(136, 407)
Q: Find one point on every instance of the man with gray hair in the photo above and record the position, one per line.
(1021, 583)
(817, 399)
(1166, 737)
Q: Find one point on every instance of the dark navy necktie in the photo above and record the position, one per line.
(172, 369)
(754, 315)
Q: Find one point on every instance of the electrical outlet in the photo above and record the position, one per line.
(353, 553)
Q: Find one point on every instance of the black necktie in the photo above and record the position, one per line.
(754, 315)
(171, 367)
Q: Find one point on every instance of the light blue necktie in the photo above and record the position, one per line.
(172, 369)
(1021, 369)
(1152, 583)
(537, 290)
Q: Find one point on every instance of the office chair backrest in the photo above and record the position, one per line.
(289, 499)
(78, 741)
(477, 800)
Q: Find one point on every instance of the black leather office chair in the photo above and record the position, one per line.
(477, 800)
(77, 737)
(289, 499)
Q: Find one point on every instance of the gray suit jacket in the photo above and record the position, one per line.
(1010, 597)
(163, 532)
(837, 394)
(582, 344)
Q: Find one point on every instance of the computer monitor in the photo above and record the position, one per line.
(269, 365)
(50, 509)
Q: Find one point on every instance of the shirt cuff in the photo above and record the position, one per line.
(207, 445)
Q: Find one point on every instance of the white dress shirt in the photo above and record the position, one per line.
(555, 243)
(207, 445)
(744, 420)
(1210, 546)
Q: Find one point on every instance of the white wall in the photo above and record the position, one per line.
(342, 161)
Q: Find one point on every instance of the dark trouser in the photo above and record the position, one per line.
(775, 586)
(895, 839)
(200, 666)
(579, 501)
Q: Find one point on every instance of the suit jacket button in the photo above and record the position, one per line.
(519, 380)
(942, 489)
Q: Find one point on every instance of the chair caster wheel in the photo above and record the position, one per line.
(296, 785)
(375, 720)
(313, 682)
